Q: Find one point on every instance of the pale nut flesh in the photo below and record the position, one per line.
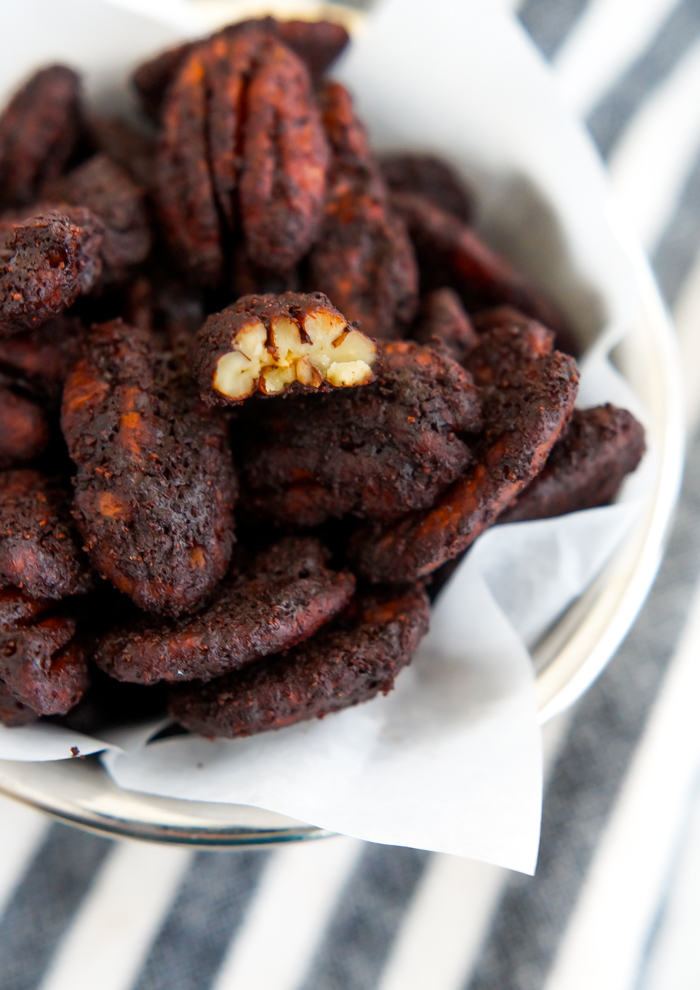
(316, 347)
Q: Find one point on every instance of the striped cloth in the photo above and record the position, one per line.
(617, 891)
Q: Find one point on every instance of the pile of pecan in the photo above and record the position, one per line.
(260, 390)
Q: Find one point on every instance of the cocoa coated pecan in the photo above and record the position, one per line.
(24, 429)
(585, 468)
(241, 138)
(362, 260)
(106, 189)
(429, 176)
(268, 343)
(451, 253)
(44, 665)
(155, 485)
(443, 322)
(38, 551)
(285, 597)
(377, 452)
(13, 712)
(47, 261)
(528, 392)
(38, 132)
(343, 665)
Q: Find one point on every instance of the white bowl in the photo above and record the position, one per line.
(594, 255)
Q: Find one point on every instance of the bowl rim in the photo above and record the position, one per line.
(573, 654)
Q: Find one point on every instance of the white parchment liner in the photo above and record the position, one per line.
(449, 761)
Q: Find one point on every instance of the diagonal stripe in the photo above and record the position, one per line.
(549, 23)
(608, 38)
(653, 158)
(208, 910)
(363, 928)
(678, 248)
(44, 904)
(617, 906)
(21, 831)
(295, 897)
(610, 117)
(534, 912)
(108, 941)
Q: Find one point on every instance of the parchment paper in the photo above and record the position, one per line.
(449, 761)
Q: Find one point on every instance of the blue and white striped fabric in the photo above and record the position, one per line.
(616, 897)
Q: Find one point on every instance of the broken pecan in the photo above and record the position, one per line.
(343, 665)
(267, 343)
(363, 259)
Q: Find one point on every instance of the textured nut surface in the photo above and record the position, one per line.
(528, 392)
(38, 131)
(38, 551)
(44, 666)
(377, 452)
(362, 260)
(586, 467)
(47, 261)
(345, 664)
(267, 343)
(282, 599)
(155, 484)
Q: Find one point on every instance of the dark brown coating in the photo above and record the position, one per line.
(443, 322)
(284, 598)
(40, 359)
(155, 485)
(285, 158)
(18, 609)
(184, 188)
(44, 666)
(344, 665)
(528, 392)
(106, 189)
(132, 149)
(363, 260)
(47, 261)
(432, 177)
(24, 429)
(317, 43)
(451, 253)
(12, 712)
(377, 452)
(241, 140)
(38, 552)
(485, 319)
(585, 468)
(38, 131)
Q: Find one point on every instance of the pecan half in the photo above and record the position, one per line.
(528, 392)
(363, 259)
(38, 131)
(343, 665)
(242, 140)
